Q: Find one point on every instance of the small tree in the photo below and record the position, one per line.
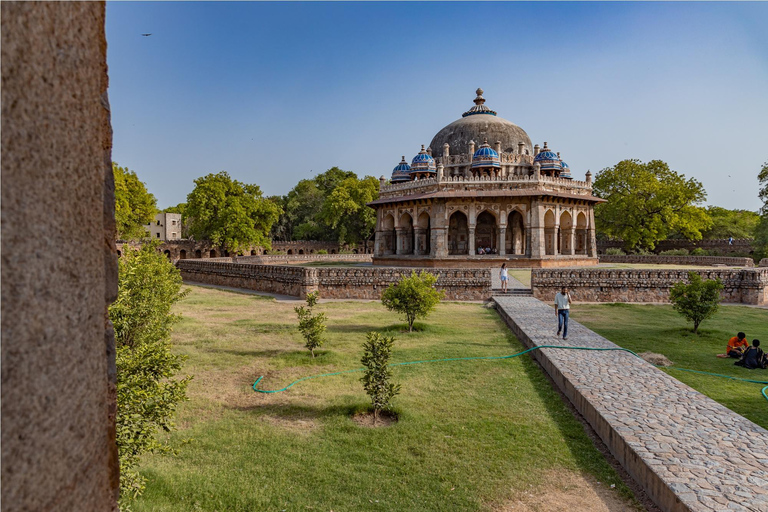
(311, 326)
(413, 296)
(377, 350)
(697, 300)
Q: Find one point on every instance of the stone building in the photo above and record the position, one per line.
(166, 226)
(488, 195)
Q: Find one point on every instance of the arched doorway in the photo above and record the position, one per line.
(290, 251)
(423, 234)
(581, 233)
(253, 252)
(198, 253)
(167, 253)
(213, 253)
(550, 240)
(515, 239)
(405, 234)
(566, 233)
(182, 254)
(485, 232)
(389, 237)
(458, 234)
(301, 251)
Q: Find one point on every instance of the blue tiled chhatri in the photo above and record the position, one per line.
(485, 157)
(423, 162)
(402, 172)
(548, 159)
(566, 172)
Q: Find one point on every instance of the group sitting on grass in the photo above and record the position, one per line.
(749, 357)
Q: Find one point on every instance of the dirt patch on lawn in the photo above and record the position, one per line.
(571, 491)
(655, 359)
(365, 419)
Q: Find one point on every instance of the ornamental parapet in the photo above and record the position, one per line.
(431, 184)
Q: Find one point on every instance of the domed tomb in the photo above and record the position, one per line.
(480, 123)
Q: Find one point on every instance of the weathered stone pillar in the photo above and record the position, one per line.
(400, 246)
(502, 241)
(420, 241)
(471, 240)
(537, 230)
(378, 244)
(570, 233)
(592, 240)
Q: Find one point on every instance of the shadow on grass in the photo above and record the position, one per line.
(303, 411)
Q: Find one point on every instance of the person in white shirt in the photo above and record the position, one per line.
(562, 308)
(504, 276)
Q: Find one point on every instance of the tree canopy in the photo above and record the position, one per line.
(761, 231)
(647, 202)
(727, 223)
(329, 207)
(229, 213)
(135, 207)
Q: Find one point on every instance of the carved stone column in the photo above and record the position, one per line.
(378, 244)
(537, 231)
(401, 241)
(502, 241)
(570, 234)
(420, 241)
(472, 240)
(591, 240)
(439, 243)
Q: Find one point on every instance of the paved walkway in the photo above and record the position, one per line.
(686, 450)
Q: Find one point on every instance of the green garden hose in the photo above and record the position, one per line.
(479, 358)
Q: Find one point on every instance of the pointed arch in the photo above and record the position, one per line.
(458, 233)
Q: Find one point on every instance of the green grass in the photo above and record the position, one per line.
(658, 328)
(470, 436)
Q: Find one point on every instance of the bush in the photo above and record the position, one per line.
(311, 326)
(698, 300)
(643, 252)
(699, 252)
(377, 351)
(614, 251)
(321, 251)
(675, 252)
(147, 393)
(413, 296)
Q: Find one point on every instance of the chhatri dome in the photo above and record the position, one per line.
(402, 172)
(480, 123)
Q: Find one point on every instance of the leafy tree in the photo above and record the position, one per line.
(761, 232)
(229, 213)
(280, 229)
(414, 296)
(376, 380)
(727, 223)
(135, 207)
(311, 326)
(147, 392)
(647, 202)
(303, 205)
(698, 300)
(345, 209)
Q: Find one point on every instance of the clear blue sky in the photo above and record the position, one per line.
(276, 92)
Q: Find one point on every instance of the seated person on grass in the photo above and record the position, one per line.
(736, 346)
(753, 357)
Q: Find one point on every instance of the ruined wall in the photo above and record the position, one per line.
(748, 286)
(739, 246)
(280, 259)
(59, 269)
(333, 282)
(704, 261)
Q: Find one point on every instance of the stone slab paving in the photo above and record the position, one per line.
(686, 450)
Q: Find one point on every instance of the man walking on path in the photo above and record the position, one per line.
(562, 306)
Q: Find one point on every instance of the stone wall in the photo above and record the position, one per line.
(280, 259)
(763, 262)
(59, 268)
(704, 261)
(333, 282)
(739, 246)
(747, 286)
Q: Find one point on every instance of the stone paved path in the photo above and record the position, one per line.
(685, 449)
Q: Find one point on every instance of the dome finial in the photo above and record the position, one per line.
(479, 107)
(479, 100)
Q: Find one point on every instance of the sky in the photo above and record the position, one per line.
(274, 93)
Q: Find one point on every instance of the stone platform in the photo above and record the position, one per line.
(687, 451)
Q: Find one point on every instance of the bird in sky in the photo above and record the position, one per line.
(146, 35)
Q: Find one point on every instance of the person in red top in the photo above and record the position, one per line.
(736, 346)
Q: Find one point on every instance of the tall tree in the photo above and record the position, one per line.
(229, 213)
(761, 232)
(135, 207)
(647, 202)
(727, 223)
(346, 212)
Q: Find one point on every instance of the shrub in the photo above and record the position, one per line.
(311, 326)
(699, 252)
(675, 252)
(614, 251)
(643, 252)
(147, 393)
(321, 251)
(698, 300)
(377, 351)
(413, 296)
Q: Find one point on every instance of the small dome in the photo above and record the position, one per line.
(423, 162)
(548, 159)
(402, 172)
(486, 156)
(566, 171)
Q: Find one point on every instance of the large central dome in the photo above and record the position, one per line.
(478, 124)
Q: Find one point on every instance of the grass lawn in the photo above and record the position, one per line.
(471, 436)
(658, 328)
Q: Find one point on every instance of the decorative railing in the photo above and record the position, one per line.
(511, 179)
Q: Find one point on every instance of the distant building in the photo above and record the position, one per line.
(166, 226)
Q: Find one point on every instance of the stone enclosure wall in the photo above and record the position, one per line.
(704, 261)
(284, 259)
(739, 246)
(748, 286)
(333, 282)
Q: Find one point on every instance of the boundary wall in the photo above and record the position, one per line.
(739, 245)
(332, 283)
(283, 259)
(656, 259)
(746, 286)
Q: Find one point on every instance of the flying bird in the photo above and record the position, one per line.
(146, 35)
